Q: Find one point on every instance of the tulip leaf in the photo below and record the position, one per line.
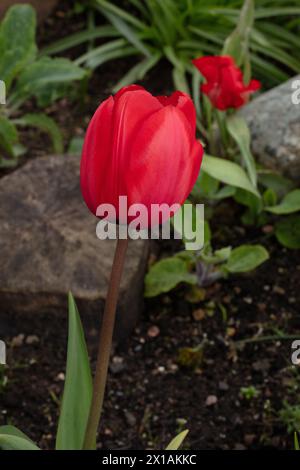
(289, 204)
(287, 231)
(246, 258)
(236, 45)
(12, 438)
(77, 393)
(177, 441)
(239, 131)
(228, 172)
(167, 274)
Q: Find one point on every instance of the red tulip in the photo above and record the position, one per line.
(142, 147)
(224, 82)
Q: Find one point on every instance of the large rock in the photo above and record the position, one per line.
(275, 127)
(48, 246)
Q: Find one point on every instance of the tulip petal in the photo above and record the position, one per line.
(164, 160)
(183, 102)
(95, 159)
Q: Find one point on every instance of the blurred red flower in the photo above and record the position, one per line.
(224, 82)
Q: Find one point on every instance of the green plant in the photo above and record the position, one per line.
(182, 30)
(290, 416)
(202, 268)
(26, 76)
(249, 392)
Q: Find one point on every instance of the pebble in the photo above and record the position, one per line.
(211, 400)
(223, 386)
(153, 331)
(31, 339)
(199, 314)
(18, 340)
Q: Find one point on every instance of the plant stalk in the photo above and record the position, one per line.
(105, 342)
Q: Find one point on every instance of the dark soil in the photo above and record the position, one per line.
(152, 392)
(155, 388)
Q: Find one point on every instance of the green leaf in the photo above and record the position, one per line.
(77, 393)
(246, 258)
(236, 45)
(17, 41)
(12, 431)
(239, 131)
(167, 274)
(289, 204)
(177, 441)
(274, 181)
(12, 438)
(45, 78)
(127, 31)
(269, 197)
(228, 172)
(45, 124)
(287, 232)
(8, 136)
(75, 39)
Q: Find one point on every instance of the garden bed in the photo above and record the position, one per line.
(228, 393)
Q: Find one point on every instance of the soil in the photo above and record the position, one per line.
(156, 385)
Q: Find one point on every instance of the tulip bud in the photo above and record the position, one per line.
(142, 147)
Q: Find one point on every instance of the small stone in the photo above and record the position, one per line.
(199, 314)
(211, 400)
(130, 418)
(17, 341)
(248, 300)
(268, 229)
(278, 290)
(31, 339)
(60, 377)
(249, 439)
(153, 331)
(117, 365)
(223, 386)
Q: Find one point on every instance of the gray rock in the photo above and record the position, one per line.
(48, 246)
(275, 127)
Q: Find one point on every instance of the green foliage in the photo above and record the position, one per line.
(287, 231)
(167, 274)
(246, 258)
(290, 417)
(12, 438)
(176, 443)
(77, 394)
(26, 76)
(182, 30)
(239, 130)
(228, 172)
(249, 392)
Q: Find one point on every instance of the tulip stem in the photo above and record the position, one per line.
(105, 342)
